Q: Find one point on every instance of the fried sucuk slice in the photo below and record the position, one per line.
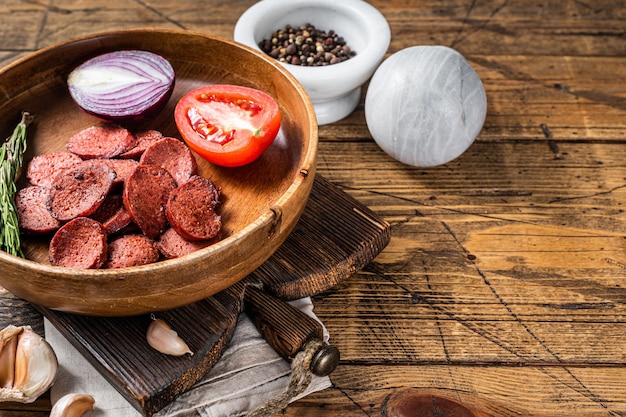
(78, 192)
(32, 210)
(173, 155)
(131, 250)
(80, 243)
(191, 209)
(122, 167)
(106, 141)
(144, 139)
(172, 245)
(43, 168)
(146, 192)
(112, 214)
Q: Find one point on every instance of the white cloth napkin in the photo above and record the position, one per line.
(248, 374)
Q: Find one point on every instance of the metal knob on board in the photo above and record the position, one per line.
(325, 360)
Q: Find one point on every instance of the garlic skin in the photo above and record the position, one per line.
(72, 405)
(8, 347)
(162, 337)
(28, 364)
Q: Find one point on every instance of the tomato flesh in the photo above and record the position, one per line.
(207, 130)
(227, 125)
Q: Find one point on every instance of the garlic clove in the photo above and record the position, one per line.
(162, 337)
(72, 405)
(35, 366)
(8, 346)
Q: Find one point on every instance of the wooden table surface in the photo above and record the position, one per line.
(504, 285)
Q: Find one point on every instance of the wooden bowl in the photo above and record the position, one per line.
(261, 202)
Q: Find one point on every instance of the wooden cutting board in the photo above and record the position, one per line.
(335, 237)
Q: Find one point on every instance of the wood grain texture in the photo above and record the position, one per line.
(503, 286)
(283, 326)
(258, 211)
(149, 380)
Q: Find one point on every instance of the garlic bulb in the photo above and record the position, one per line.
(162, 338)
(72, 405)
(425, 105)
(28, 365)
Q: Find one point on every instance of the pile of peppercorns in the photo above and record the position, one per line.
(306, 46)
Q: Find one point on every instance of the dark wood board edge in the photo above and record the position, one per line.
(335, 237)
(151, 387)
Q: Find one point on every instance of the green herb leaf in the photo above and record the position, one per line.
(11, 158)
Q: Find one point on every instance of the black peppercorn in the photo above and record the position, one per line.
(306, 46)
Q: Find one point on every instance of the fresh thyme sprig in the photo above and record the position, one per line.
(11, 157)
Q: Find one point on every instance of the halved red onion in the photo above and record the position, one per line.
(123, 86)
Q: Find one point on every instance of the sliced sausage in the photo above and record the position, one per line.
(32, 210)
(104, 141)
(174, 156)
(43, 168)
(173, 245)
(146, 192)
(122, 167)
(144, 139)
(80, 243)
(191, 209)
(131, 250)
(78, 192)
(112, 214)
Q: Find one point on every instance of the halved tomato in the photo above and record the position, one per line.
(227, 125)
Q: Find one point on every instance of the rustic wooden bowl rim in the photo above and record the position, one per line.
(270, 215)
